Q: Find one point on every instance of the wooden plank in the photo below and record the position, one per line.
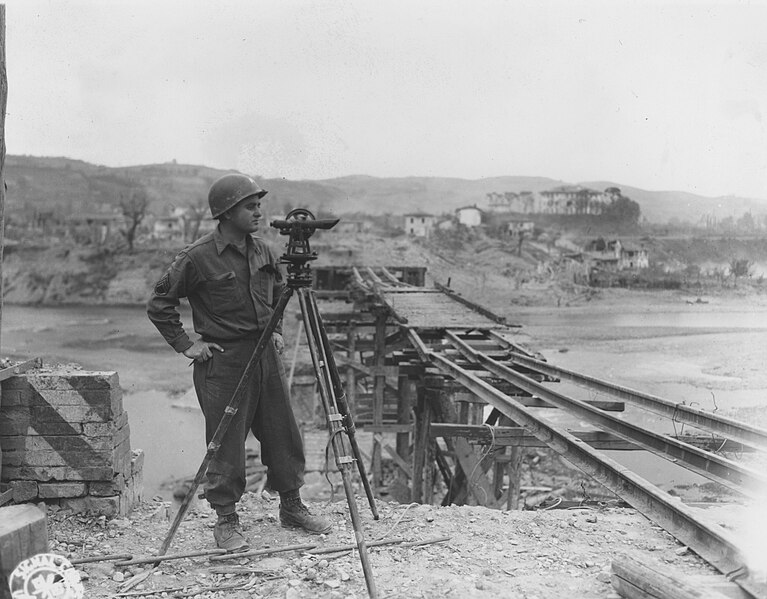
(517, 436)
(639, 579)
(421, 441)
(11, 371)
(478, 484)
(719, 583)
(473, 306)
(388, 428)
(401, 463)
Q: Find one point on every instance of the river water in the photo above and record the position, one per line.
(686, 355)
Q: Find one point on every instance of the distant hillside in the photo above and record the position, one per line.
(662, 206)
(64, 186)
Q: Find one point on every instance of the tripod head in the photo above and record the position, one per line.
(299, 225)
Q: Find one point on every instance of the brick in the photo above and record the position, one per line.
(23, 490)
(55, 443)
(121, 437)
(63, 397)
(115, 505)
(36, 415)
(99, 429)
(13, 397)
(104, 488)
(61, 473)
(79, 413)
(58, 490)
(76, 458)
(106, 403)
(68, 380)
(15, 423)
(15, 383)
(122, 461)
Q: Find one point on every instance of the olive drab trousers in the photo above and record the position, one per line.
(264, 409)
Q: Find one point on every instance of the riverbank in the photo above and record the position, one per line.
(655, 342)
(709, 355)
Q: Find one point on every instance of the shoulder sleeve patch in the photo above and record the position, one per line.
(163, 285)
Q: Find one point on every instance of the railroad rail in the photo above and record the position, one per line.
(438, 333)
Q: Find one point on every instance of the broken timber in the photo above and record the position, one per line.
(452, 362)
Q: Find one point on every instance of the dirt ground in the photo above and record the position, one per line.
(466, 552)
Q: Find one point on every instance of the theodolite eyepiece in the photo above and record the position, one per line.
(301, 221)
(300, 225)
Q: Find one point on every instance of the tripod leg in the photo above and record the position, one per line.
(343, 462)
(341, 403)
(229, 412)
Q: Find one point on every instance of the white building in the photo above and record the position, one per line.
(168, 227)
(471, 216)
(419, 224)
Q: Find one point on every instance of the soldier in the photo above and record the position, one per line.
(232, 281)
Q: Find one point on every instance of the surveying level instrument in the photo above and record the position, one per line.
(299, 225)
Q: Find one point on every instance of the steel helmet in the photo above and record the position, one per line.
(230, 189)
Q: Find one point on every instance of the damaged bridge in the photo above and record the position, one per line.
(454, 402)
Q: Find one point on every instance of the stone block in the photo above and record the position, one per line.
(137, 461)
(112, 506)
(66, 473)
(58, 490)
(23, 423)
(106, 488)
(106, 428)
(33, 416)
(75, 459)
(24, 490)
(56, 443)
(108, 506)
(13, 397)
(66, 380)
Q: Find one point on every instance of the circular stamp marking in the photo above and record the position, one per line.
(45, 576)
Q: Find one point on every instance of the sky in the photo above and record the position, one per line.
(656, 95)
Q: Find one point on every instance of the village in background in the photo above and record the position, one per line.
(598, 236)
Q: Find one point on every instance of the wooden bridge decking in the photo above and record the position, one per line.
(456, 369)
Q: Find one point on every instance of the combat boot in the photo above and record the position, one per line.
(294, 514)
(228, 534)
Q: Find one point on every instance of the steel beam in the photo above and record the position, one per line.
(678, 412)
(710, 465)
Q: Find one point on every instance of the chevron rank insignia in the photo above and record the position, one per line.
(163, 285)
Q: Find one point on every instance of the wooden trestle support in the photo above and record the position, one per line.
(442, 377)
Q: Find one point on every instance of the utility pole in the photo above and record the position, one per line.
(3, 104)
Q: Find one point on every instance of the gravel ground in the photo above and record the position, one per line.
(468, 551)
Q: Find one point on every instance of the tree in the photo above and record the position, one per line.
(623, 210)
(739, 268)
(133, 205)
(196, 213)
(746, 223)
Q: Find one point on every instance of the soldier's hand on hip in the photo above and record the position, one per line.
(202, 350)
(279, 343)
